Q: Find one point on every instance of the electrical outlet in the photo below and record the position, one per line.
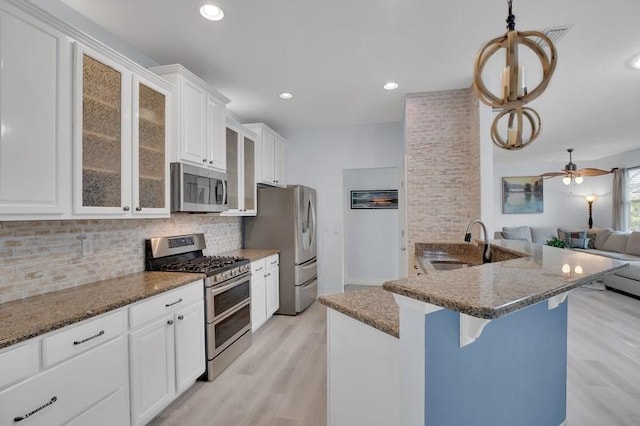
(87, 244)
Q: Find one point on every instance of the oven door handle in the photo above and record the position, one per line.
(232, 311)
(234, 282)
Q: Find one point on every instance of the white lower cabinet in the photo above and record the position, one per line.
(113, 410)
(59, 394)
(152, 364)
(265, 291)
(167, 352)
(190, 349)
(93, 373)
(258, 294)
(273, 284)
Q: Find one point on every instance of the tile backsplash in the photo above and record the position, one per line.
(442, 146)
(38, 257)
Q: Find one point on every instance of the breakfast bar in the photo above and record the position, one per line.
(477, 343)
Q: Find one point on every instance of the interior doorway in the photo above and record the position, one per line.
(372, 235)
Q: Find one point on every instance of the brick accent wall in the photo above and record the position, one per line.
(442, 137)
(38, 257)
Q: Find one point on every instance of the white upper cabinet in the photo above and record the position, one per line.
(35, 111)
(120, 138)
(270, 155)
(84, 130)
(200, 112)
(279, 161)
(241, 158)
(216, 115)
(193, 131)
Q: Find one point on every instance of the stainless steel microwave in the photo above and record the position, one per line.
(197, 190)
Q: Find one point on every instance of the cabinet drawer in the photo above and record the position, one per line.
(272, 261)
(19, 362)
(113, 410)
(79, 338)
(258, 267)
(165, 302)
(61, 393)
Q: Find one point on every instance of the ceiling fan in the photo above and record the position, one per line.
(571, 172)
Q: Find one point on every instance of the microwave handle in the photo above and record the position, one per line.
(224, 191)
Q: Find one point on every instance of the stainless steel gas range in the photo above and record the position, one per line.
(226, 292)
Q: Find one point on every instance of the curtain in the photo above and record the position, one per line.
(620, 200)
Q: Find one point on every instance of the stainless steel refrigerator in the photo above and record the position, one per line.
(286, 221)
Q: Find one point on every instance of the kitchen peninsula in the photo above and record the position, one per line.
(482, 344)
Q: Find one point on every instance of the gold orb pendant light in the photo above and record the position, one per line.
(515, 94)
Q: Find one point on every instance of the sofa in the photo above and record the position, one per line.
(606, 242)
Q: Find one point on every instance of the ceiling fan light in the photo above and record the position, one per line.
(579, 179)
(566, 180)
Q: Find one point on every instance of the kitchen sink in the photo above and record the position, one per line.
(448, 265)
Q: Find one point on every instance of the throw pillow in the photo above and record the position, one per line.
(517, 233)
(592, 240)
(574, 239)
(633, 246)
(601, 236)
(617, 242)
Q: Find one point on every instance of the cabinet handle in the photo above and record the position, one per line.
(180, 317)
(204, 160)
(79, 342)
(210, 161)
(264, 276)
(138, 209)
(173, 303)
(259, 269)
(274, 262)
(170, 322)
(125, 208)
(31, 413)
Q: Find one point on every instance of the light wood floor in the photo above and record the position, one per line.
(281, 379)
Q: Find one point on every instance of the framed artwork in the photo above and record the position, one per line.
(374, 199)
(522, 195)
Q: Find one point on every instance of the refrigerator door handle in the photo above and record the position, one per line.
(311, 222)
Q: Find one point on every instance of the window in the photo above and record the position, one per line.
(634, 199)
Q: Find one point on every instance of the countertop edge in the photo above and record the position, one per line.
(250, 254)
(74, 318)
(358, 316)
(485, 312)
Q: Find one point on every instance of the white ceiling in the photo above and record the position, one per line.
(335, 55)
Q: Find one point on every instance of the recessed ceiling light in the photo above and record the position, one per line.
(285, 95)
(635, 62)
(211, 12)
(391, 85)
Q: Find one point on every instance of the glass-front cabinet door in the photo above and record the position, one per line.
(120, 139)
(233, 171)
(102, 135)
(150, 171)
(249, 173)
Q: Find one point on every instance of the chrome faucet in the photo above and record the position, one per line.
(486, 255)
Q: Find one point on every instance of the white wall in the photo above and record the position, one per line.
(563, 205)
(372, 236)
(317, 158)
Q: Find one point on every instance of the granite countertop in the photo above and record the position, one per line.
(494, 289)
(33, 316)
(522, 274)
(251, 254)
(373, 306)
